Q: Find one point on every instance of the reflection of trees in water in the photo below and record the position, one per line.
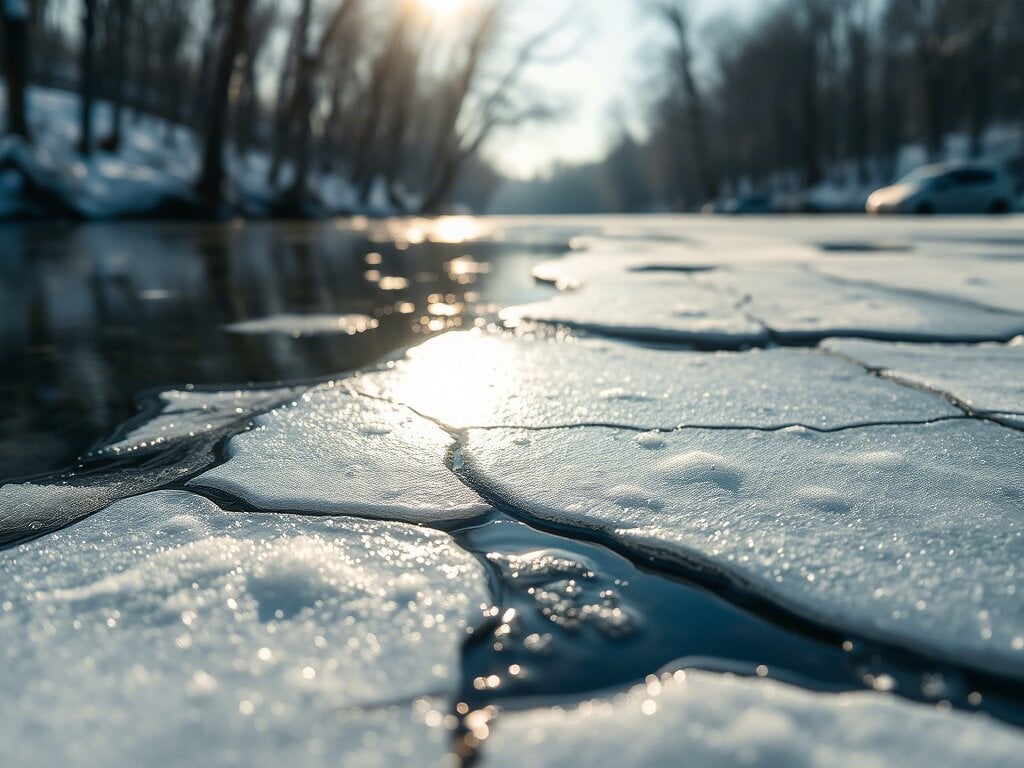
(93, 315)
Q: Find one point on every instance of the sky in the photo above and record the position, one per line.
(606, 84)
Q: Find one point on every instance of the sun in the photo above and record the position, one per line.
(443, 8)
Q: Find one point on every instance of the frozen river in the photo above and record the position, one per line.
(593, 491)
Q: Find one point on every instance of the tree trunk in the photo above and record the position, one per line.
(16, 64)
(88, 77)
(211, 180)
(123, 10)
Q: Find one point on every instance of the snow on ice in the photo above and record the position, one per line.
(720, 721)
(164, 631)
(339, 453)
(908, 533)
(475, 380)
(987, 378)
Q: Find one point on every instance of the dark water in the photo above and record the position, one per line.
(90, 316)
(672, 621)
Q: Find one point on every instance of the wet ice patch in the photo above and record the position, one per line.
(184, 414)
(336, 453)
(908, 533)
(988, 378)
(720, 720)
(304, 325)
(469, 379)
(164, 631)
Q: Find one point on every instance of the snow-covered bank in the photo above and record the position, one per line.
(152, 175)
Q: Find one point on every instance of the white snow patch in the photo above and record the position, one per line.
(720, 721)
(166, 632)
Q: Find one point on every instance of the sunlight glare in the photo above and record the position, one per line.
(442, 9)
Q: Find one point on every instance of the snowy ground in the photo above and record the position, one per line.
(817, 422)
(152, 172)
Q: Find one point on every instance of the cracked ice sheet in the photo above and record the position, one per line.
(336, 453)
(988, 378)
(664, 308)
(186, 413)
(165, 632)
(472, 380)
(721, 721)
(910, 533)
(800, 306)
(990, 282)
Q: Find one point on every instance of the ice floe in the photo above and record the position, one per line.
(471, 379)
(722, 289)
(658, 308)
(902, 533)
(986, 282)
(166, 632)
(800, 306)
(987, 378)
(339, 453)
(709, 720)
(305, 325)
(186, 413)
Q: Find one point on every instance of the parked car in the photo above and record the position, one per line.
(946, 188)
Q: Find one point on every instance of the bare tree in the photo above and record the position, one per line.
(87, 75)
(481, 104)
(211, 179)
(693, 110)
(16, 45)
(122, 13)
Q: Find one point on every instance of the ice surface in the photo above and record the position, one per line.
(723, 290)
(662, 308)
(187, 413)
(801, 306)
(720, 721)
(908, 533)
(471, 379)
(336, 453)
(305, 325)
(988, 378)
(987, 282)
(166, 632)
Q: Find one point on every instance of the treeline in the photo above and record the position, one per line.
(813, 86)
(388, 94)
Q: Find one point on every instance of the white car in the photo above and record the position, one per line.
(946, 188)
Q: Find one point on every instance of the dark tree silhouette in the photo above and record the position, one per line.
(16, 47)
(210, 185)
(87, 84)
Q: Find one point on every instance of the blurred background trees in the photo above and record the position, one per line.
(393, 96)
(831, 88)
